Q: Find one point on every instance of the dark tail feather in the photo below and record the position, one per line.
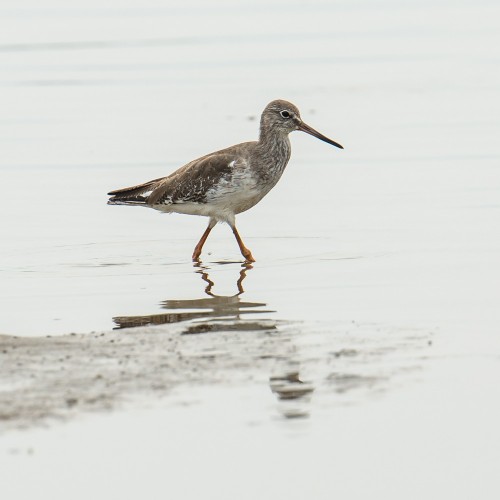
(132, 195)
(130, 192)
(131, 200)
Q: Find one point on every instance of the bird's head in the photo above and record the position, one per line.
(283, 117)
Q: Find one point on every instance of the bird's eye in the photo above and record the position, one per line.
(285, 114)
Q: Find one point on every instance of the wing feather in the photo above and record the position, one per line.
(189, 183)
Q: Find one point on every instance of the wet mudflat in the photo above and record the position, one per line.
(358, 356)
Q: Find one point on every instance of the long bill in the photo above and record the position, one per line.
(309, 130)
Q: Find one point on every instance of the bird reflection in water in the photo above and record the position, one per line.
(293, 394)
(214, 306)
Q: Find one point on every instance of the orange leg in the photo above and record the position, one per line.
(243, 249)
(199, 246)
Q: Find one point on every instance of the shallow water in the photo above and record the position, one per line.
(364, 336)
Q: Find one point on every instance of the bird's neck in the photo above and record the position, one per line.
(275, 150)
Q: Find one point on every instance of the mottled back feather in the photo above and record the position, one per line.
(189, 183)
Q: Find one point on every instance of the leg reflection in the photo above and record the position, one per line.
(214, 306)
(204, 270)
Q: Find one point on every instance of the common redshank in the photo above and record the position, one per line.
(227, 182)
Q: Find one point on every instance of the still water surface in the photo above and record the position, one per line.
(377, 267)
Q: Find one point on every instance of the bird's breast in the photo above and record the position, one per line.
(248, 179)
(236, 192)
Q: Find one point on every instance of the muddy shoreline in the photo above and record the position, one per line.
(57, 377)
(49, 379)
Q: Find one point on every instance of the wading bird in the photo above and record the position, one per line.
(227, 182)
